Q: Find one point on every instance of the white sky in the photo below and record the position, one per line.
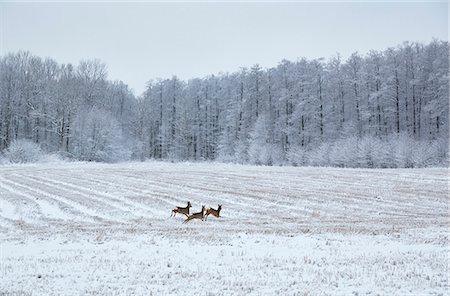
(141, 41)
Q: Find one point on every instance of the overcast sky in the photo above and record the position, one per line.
(141, 41)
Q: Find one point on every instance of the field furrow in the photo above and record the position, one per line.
(106, 229)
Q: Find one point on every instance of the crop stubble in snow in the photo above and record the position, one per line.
(77, 229)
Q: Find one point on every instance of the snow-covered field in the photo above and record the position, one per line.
(105, 229)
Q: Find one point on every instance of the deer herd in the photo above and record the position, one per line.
(203, 215)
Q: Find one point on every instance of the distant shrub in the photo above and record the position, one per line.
(23, 151)
(320, 156)
(397, 151)
(297, 156)
(97, 136)
(344, 153)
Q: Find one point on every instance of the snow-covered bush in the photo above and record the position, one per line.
(320, 156)
(402, 150)
(277, 156)
(372, 152)
(226, 151)
(97, 136)
(138, 150)
(425, 154)
(297, 156)
(366, 152)
(409, 153)
(258, 151)
(241, 152)
(262, 150)
(262, 154)
(3, 160)
(383, 153)
(23, 151)
(254, 153)
(344, 153)
(442, 157)
(375, 153)
(265, 154)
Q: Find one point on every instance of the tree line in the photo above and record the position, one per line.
(383, 109)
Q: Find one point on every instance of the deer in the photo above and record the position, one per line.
(215, 213)
(181, 210)
(199, 215)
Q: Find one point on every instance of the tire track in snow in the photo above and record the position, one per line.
(347, 200)
(134, 185)
(200, 189)
(101, 204)
(143, 206)
(152, 187)
(257, 199)
(108, 199)
(233, 198)
(8, 213)
(46, 208)
(350, 199)
(101, 179)
(76, 205)
(278, 200)
(340, 197)
(18, 205)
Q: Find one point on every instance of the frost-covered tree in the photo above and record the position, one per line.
(366, 110)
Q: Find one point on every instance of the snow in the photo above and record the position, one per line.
(89, 229)
(8, 210)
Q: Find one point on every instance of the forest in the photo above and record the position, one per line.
(382, 109)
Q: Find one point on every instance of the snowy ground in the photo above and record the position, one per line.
(90, 229)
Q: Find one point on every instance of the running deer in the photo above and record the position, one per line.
(215, 213)
(181, 210)
(199, 215)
